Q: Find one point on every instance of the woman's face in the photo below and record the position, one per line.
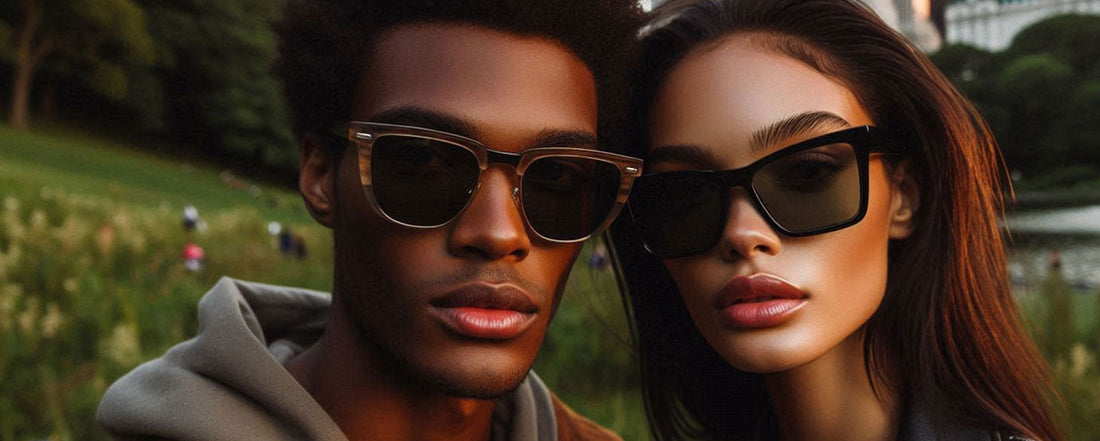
(765, 301)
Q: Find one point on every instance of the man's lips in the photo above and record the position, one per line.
(759, 301)
(484, 311)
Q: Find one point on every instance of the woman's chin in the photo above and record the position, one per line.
(769, 351)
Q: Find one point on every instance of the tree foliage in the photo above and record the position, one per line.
(1072, 38)
(1040, 95)
(94, 42)
(218, 93)
(194, 72)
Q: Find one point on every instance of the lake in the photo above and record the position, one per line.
(1070, 236)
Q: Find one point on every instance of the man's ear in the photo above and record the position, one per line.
(904, 201)
(316, 179)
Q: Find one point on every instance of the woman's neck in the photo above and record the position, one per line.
(831, 399)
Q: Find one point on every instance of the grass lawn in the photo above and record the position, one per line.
(88, 166)
(60, 192)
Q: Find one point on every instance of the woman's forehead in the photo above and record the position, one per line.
(723, 97)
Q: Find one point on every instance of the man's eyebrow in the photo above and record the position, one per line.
(793, 126)
(565, 138)
(428, 119)
(683, 153)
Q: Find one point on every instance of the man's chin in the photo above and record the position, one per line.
(484, 388)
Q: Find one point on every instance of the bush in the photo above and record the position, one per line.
(89, 289)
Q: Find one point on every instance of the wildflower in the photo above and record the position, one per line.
(71, 233)
(9, 294)
(11, 204)
(105, 238)
(122, 346)
(52, 321)
(1080, 360)
(38, 221)
(28, 317)
(10, 259)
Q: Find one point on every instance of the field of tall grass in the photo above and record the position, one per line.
(92, 283)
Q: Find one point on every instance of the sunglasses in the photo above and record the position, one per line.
(812, 187)
(424, 178)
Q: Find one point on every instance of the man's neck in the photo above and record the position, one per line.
(368, 402)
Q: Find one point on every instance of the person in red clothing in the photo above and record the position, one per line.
(193, 256)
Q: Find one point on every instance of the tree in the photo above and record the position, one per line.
(1079, 132)
(94, 39)
(214, 65)
(1033, 89)
(1073, 39)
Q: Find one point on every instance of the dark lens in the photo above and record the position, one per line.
(812, 189)
(678, 213)
(567, 198)
(420, 181)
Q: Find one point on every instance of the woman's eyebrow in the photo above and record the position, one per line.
(682, 153)
(792, 126)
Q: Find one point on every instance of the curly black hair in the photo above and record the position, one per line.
(321, 45)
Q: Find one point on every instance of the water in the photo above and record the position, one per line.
(1068, 236)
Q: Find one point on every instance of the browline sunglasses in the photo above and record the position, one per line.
(424, 178)
(812, 187)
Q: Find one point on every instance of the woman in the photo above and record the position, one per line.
(815, 250)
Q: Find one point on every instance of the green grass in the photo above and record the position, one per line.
(91, 282)
(84, 165)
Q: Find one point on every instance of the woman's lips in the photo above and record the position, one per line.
(481, 311)
(760, 301)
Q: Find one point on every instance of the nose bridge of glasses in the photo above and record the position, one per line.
(506, 158)
(497, 157)
(738, 192)
(738, 177)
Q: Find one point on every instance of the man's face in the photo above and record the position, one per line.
(418, 296)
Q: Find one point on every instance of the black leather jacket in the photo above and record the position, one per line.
(917, 426)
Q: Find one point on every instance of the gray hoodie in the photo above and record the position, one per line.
(228, 383)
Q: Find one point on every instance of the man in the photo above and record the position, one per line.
(448, 263)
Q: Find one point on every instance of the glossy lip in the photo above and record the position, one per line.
(760, 301)
(485, 311)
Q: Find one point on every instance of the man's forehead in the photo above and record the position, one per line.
(488, 77)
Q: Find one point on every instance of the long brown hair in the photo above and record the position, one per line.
(948, 319)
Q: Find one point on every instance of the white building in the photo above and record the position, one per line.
(991, 25)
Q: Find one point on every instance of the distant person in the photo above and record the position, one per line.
(818, 252)
(448, 267)
(190, 217)
(193, 256)
(598, 258)
(300, 250)
(1055, 261)
(286, 242)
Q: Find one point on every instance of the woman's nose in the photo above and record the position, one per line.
(747, 234)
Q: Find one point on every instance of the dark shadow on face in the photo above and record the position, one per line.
(507, 92)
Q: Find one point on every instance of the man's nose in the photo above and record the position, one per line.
(491, 227)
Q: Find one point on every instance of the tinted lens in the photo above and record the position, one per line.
(420, 181)
(812, 189)
(567, 198)
(678, 213)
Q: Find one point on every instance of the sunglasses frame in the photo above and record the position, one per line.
(363, 134)
(864, 141)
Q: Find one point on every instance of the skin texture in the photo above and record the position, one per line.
(717, 99)
(384, 357)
